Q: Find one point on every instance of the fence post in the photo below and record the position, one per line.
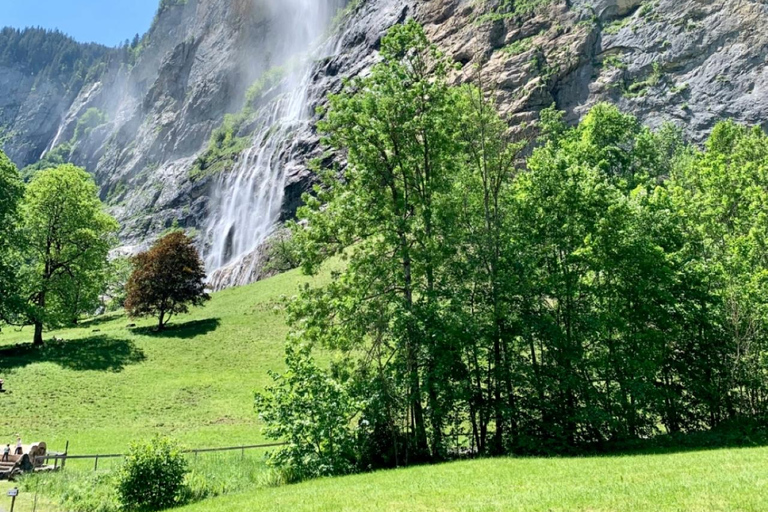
(66, 452)
(96, 464)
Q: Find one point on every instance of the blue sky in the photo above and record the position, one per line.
(103, 21)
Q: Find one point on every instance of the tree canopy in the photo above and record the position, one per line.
(166, 280)
(609, 288)
(11, 193)
(67, 236)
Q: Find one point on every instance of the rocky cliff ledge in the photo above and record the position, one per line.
(689, 62)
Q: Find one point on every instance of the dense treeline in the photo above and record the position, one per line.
(54, 56)
(610, 289)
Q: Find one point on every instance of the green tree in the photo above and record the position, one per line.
(724, 189)
(605, 275)
(166, 280)
(395, 127)
(611, 289)
(311, 410)
(482, 279)
(67, 238)
(11, 193)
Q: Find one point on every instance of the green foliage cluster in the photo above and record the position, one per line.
(505, 9)
(611, 290)
(267, 81)
(152, 476)
(11, 193)
(224, 148)
(640, 88)
(57, 156)
(312, 411)
(92, 118)
(519, 46)
(53, 260)
(67, 238)
(51, 55)
(62, 153)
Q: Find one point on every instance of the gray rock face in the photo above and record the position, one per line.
(689, 62)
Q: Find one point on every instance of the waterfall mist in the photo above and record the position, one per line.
(247, 201)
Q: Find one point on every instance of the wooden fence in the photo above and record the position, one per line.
(60, 459)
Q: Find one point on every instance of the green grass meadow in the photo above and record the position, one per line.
(721, 480)
(107, 384)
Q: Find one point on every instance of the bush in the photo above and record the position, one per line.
(152, 476)
(312, 411)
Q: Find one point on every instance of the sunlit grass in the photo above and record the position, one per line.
(720, 480)
(107, 384)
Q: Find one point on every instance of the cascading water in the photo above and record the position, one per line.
(247, 202)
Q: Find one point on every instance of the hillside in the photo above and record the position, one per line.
(105, 385)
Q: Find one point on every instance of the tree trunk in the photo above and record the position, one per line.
(38, 340)
(417, 408)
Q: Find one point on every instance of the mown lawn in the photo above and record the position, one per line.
(719, 480)
(107, 384)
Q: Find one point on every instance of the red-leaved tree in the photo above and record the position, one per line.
(167, 280)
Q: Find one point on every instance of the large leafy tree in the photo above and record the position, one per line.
(67, 238)
(11, 192)
(611, 289)
(603, 257)
(166, 280)
(395, 127)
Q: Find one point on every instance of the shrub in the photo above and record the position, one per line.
(312, 411)
(152, 476)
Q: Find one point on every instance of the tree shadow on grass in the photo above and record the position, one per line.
(98, 353)
(184, 331)
(737, 433)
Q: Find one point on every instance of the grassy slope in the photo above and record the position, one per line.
(101, 390)
(723, 480)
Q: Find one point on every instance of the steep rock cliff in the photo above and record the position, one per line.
(690, 62)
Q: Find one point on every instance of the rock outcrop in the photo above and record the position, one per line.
(689, 62)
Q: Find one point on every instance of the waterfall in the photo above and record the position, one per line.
(247, 202)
